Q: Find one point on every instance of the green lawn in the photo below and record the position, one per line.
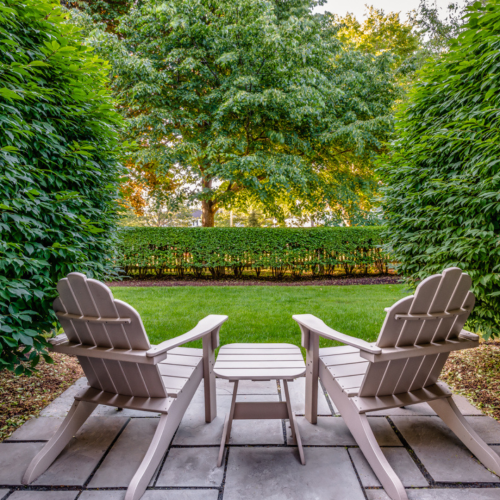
(262, 313)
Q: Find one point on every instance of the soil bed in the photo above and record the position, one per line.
(252, 281)
(22, 398)
(475, 373)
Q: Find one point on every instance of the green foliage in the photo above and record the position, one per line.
(297, 249)
(380, 32)
(58, 171)
(442, 201)
(251, 102)
(101, 11)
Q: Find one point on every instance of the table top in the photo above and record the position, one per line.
(259, 362)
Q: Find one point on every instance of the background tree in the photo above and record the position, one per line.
(442, 201)
(250, 102)
(106, 12)
(440, 26)
(59, 171)
(380, 32)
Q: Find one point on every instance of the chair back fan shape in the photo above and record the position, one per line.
(91, 316)
(437, 312)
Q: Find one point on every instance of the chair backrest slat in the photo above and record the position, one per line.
(446, 293)
(103, 376)
(90, 298)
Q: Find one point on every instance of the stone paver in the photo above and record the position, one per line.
(181, 495)
(297, 390)
(61, 405)
(37, 429)
(133, 444)
(194, 431)
(487, 428)
(332, 431)
(276, 473)
(80, 457)
(102, 495)
(400, 461)
(254, 432)
(247, 387)
(441, 452)
(465, 407)
(441, 494)
(44, 495)
(14, 460)
(153, 495)
(191, 467)
(254, 470)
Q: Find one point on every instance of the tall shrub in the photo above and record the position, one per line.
(442, 200)
(321, 249)
(59, 170)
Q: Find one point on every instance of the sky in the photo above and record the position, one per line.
(357, 7)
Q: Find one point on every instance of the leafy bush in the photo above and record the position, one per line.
(442, 199)
(59, 171)
(157, 250)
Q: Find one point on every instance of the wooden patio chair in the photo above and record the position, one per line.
(125, 371)
(400, 369)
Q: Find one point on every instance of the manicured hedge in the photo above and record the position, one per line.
(320, 250)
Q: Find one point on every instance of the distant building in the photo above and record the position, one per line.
(196, 218)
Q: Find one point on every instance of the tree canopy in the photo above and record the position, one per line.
(442, 200)
(59, 171)
(250, 102)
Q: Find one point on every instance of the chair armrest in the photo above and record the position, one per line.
(315, 325)
(59, 339)
(205, 326)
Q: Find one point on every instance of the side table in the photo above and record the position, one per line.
(237, 362)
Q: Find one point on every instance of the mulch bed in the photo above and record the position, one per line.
(475, 374)
(228, 281)
(22, 398)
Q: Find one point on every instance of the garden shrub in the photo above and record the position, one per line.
(59, 171)
(442, 200)
(157, 250)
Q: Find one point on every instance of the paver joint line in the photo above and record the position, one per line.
(105, 454)
(357, 476)
(412, 453)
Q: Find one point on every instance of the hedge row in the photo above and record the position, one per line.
(320, 250)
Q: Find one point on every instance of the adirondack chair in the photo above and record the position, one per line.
(123, 370)
(400, 369)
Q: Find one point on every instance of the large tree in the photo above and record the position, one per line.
(250, 102)
(442, 201)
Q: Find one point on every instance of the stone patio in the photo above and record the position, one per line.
(259, 464)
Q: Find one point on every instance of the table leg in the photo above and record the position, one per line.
(226, 433)
(293, 424)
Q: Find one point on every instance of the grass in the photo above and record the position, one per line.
(260, 313)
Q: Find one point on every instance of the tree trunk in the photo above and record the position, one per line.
(208, 209)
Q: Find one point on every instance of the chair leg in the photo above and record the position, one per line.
(451, 416)
(76, 417)
(363, 434)
(164, 432)
(228, 423)
(209, 378)
(312, 363)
